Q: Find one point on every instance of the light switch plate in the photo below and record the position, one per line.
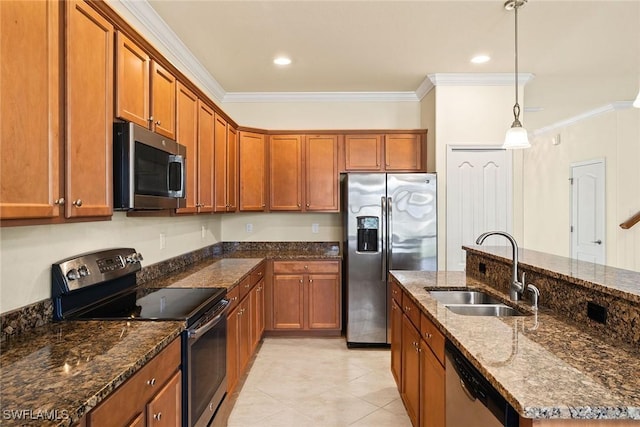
(249, 227)
(315, 228)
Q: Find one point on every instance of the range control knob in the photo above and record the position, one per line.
(134, 257)
(83, 271)
(73, 274)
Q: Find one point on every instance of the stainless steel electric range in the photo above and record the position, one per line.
(102, 286)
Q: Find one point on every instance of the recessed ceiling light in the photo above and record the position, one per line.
(282, 60)
(480, 59)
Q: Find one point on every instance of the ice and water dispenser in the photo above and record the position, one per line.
(368, 233)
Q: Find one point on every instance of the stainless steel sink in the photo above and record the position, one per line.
(474, 303)
(464, 297)
(496, 310)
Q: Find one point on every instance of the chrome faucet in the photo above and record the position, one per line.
(516, 286)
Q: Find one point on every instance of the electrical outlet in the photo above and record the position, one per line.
(315, 228)
(163, 240)
(249, 227)
(203, 232)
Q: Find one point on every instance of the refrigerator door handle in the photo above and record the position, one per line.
(389, 233)
(383, 216)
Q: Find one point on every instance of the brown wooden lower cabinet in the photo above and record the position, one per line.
(306, 296)
(245, 324)
(151, 397)
(432, 392)
(396, 341)
(411, 375)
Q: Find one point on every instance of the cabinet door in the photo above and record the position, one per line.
(288, 301)
(363, 152)
(321, 173)
(232, 169)
(232, 348)
(132, 81)
(220, 168)
(252, 163)
(187, 135)
(244, 334)
(432, 391)
(163, 101)
(323, 305)
(138, 421)
(403, 152)
(257, 313)
(89, 103)
(164, 410)
(396, 342)
(410, 391)
(205, 157)
(285, 172)
(30, 104)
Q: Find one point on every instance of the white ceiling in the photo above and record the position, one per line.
(583, 53)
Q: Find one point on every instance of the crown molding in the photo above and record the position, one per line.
(321, 97)
(614, 106)
(479, 79)
(425, 87)
(171, 43)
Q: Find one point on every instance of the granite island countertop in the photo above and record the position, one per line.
(544, 366)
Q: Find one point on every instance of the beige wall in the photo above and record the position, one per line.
(26, 253)
(325, 115)
(470, 115)
(287, 227)
(428, 121)
(613, 136)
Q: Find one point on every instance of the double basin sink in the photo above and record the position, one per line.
(473, 303)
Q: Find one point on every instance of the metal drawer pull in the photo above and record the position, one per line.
(157, 416)
(151, 382)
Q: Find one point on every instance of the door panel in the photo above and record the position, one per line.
(478, 198)
(588, 211)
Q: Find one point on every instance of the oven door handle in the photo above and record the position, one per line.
(194, 334)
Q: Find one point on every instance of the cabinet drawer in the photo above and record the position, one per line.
(258, 273)
(396, 292)
(244, 286)
(234, 298)
(432, 336)
(131, 397)
(306, 267)
(411, 310)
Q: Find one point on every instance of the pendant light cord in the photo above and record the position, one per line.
(516, 107)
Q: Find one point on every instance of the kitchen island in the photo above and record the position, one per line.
(548, 366)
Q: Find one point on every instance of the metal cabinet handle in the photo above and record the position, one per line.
(59, 201)
(151, 382)
(310, 280)
(150, 118)
(308, 205)
(158, 123)
(427, 335)
(77, 203)
(157, 416)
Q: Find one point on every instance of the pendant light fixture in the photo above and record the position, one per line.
(636, 103)
(516, 136)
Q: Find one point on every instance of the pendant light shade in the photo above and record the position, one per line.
(636, 103)
(516, 136)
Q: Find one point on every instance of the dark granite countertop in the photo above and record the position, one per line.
(544, 366)
(56, 373)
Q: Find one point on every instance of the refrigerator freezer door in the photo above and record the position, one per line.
(366, 292)
(412, 222)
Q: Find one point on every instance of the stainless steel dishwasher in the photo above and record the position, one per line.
(470, 399)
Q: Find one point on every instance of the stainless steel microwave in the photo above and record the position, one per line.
(148, 169)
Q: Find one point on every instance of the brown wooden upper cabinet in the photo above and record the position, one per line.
(252, 164)
(206, 135)
(89, 112)
(30, 82)
(187, 135)
(303, 173)
(226, 147)
(145, 91)
(398, 152)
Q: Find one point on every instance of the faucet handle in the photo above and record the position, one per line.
(522, 280)
(535, 296)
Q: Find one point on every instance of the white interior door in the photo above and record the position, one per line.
(588, 211)
(479, 183)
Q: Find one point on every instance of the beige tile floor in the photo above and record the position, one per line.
(318, 382)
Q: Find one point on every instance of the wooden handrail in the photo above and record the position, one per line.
(631, 221)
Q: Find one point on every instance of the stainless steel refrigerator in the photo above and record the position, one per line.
(389, 224)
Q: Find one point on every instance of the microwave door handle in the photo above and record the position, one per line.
(179, 160)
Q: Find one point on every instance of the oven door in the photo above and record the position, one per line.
(205, 367)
